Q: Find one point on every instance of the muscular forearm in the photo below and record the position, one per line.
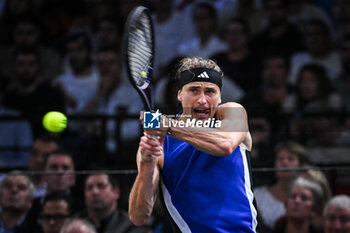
(224, 138)
(144, 192)
(211, 141)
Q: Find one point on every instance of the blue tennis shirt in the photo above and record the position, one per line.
(205, 193)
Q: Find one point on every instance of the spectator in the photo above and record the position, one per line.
(29, 93)
(109, 33)
(316, 175)
(304, 197)
(337, 215)
(270, 199)
(28, 33)
(56, 210)
(101, 196)
(319, 51)
(269, 98)
(113, 97)
(16, 196)
(41, 148)
(11, 11)
(238, 63)
(58, 17)
(300, 11)
(247, 10)
(58, 161)
(278, 34)
(16, 137)
(313, 93)
(78, 226)
(261, 154)
(80, 78)
(341, 17)
(206, 42)
(342, 83)
(167, 32)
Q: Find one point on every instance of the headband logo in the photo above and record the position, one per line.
(203, 75)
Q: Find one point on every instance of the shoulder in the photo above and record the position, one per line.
(231, 104)
(230, 108)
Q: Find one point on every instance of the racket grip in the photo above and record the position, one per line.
(154, 138)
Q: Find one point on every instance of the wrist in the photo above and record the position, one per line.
(147, 158)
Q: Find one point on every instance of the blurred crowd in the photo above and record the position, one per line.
(285, 61)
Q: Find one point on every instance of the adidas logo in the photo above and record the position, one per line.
(203, 75)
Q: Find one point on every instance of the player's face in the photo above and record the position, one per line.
(337, 220)
(199, 99)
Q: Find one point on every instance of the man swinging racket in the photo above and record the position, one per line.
(201, 173)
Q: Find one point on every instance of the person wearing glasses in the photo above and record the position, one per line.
(57, 209)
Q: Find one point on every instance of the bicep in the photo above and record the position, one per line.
(234, 122)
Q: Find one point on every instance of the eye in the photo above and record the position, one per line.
(194, 90)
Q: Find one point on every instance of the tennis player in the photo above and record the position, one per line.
(201, 174)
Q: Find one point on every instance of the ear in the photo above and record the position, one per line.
(179, 95)
(72, 181)
(116, 192)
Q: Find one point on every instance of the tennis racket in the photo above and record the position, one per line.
(138, 46)
(138, 50)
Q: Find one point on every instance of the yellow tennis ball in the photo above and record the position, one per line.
(143, 74)
(55, 121)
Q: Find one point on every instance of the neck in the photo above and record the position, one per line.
(204, 39)
(83, 72)
(237, 54)
(11, 217)
(98, 216)
(282, 185)
(279, 190)
(297, 226)
(29, 88)
(320, 54)
(277, 30)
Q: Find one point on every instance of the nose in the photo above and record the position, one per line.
(94, 190)
(14, 188)
(52, 221)
(202, 100)
(337, 224)
(297, 199)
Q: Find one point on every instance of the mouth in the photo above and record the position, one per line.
(201, 113)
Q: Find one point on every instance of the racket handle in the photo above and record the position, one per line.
(154, 138)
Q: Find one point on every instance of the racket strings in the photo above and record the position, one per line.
(140, 49)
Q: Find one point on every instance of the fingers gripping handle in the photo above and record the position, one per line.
(154, 138)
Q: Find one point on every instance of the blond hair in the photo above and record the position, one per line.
(197, 62)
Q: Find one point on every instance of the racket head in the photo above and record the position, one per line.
(138, 50)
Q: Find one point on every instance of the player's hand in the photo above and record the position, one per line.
(150, 148)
